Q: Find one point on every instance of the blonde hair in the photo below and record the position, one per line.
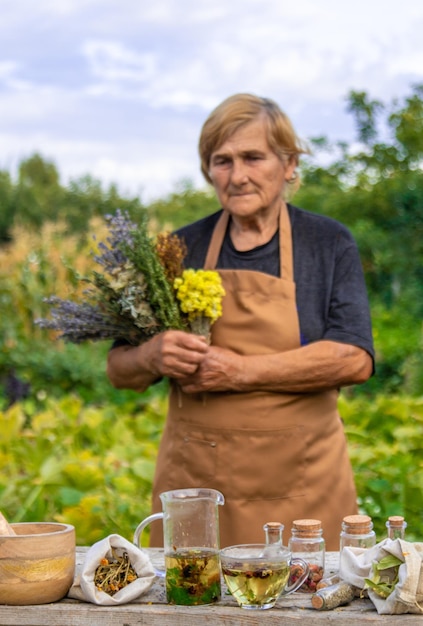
(240, 109)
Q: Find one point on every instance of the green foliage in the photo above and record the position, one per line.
(38, 191)
(365, 112)
(398, 338)
(183, 206)
(85, 199)
(6, 206)
(38, 197)
(385, 435)
(83, 465)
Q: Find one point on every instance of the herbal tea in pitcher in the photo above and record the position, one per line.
(192, 576)
(191, 544)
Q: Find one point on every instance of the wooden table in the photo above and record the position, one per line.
(152, 610)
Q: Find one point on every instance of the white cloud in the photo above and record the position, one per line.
(110, 60)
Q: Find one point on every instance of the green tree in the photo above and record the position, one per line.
(185, 205)
(38, 193)
(38, 197)
(85, 198)
(7, 206)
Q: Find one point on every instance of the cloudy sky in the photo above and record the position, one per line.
(119, 89)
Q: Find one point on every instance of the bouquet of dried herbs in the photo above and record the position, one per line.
(141, 291)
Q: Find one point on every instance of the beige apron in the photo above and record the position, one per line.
(274, 456)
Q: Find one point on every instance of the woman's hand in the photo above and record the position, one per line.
(173, 353)
(219, 370)
(176, 353)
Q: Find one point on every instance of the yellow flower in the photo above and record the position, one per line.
(200, 294)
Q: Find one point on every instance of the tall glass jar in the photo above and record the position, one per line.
(307, 542)
(396, 526)
(357, 532)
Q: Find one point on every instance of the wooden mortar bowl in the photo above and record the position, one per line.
(37, 565)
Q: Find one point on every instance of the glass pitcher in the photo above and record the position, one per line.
(191, 545)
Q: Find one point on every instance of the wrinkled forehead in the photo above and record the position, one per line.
(255, 131)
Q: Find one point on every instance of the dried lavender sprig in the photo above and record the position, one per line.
(81, 322)
(120, 229)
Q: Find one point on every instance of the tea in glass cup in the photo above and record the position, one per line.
(257, 576)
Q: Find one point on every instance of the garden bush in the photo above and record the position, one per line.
(85, 465)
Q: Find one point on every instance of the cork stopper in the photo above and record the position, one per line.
(307, 527)
(273, 532)
(273, 526)
(358, 524)
(396, 520)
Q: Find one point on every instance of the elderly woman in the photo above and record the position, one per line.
(254, 414)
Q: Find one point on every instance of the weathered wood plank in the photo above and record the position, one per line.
(69, 614)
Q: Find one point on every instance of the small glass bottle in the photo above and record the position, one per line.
(307, 542)
(396, 526)
(357, 532)
(273, 533)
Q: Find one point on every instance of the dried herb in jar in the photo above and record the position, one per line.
(333, 596)
(307, 542)
(114, 574)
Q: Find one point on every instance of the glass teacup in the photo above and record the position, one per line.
(257, 574)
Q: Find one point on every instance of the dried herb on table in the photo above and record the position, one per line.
(114, 574)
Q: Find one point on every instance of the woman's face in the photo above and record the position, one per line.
(247, 175)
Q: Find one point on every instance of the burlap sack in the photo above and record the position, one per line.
(407, 596)
(83, 587)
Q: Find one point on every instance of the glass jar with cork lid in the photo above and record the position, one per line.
(307, 542)
(357, 532)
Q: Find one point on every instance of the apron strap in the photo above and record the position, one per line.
(285, 243)
(216, 241)
(286, 254)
